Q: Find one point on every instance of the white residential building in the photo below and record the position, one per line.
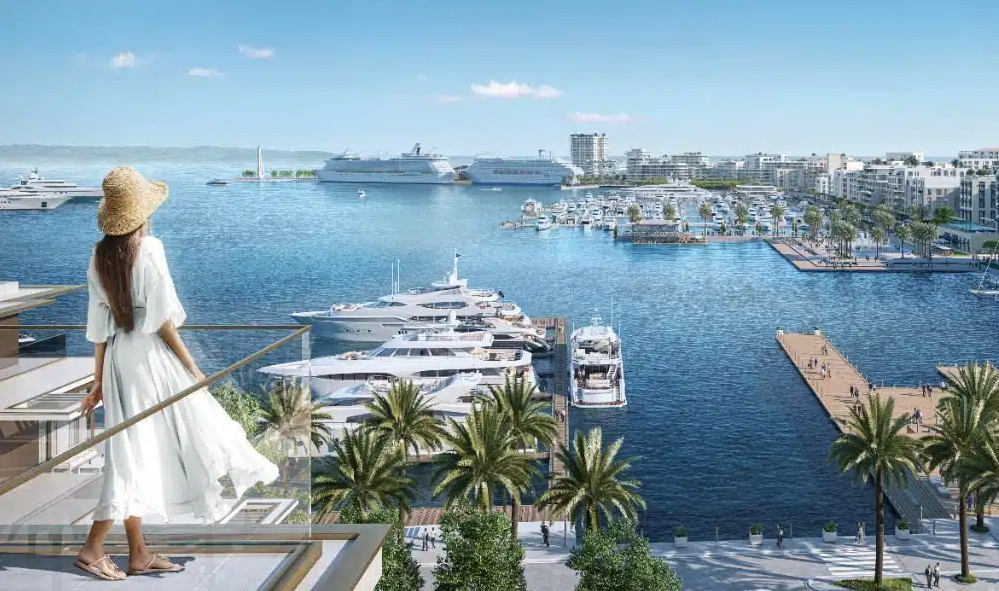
(822, 183)
(589, 152)
(980, 158)
(760, 166)
(728, 169)
(978, 202)
(690, 159)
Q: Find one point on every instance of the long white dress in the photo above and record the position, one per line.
(169, 464)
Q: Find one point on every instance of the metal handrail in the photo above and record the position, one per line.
(16, 481)
(181, 327)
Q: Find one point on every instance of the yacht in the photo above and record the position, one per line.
(37, 186)
(412, 356)
(531, 207)
(384, 318)
(596, 368)
(217, 183)
(545, 170)
(361, 194)
(411, 167)
(31, 202)
(543, 223)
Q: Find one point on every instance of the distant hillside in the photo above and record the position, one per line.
(27, 153)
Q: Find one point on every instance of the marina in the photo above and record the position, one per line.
(702, 372)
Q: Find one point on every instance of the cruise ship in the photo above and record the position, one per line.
(545, 170)
(411, 167)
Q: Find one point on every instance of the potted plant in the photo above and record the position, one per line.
(680, 536)
(816, 331)
(780, 330)
(902, 530)
(829, 532)
(756, 534)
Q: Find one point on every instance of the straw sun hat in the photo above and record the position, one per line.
(129, 200)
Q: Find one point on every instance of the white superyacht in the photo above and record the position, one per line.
(596, 367)
(412, 356)
(37, 186)
(390, 315)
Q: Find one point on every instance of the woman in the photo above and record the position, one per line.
(169, 464)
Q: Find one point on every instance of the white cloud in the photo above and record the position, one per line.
(204, 73)
(446, 98)
(598, 118)
(255, 53)
(514, 89)
(124, 59)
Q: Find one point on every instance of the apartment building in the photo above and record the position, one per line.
(681, 167)
(980, 158)
(978, 198)
(761, 166)
(589, 152)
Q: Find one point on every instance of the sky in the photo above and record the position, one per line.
(376, 76)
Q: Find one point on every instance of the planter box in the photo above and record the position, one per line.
(901, 534)
(817, 332)
(680, 542)
(829, 536)
(756, 540)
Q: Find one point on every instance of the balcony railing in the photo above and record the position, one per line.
(54, 460)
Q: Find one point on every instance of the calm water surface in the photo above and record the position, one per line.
(726, 432)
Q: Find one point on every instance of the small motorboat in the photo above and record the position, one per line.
(217, 183)
(24, 339)
(360, 194)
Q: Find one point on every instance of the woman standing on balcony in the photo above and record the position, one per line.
(169, 464)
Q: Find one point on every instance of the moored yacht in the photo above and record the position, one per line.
(31, 202)
(543, 223)
(413, 356)
(380, 320)
(596, 367)
(37, 186)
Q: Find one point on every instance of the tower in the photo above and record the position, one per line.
(260, 163)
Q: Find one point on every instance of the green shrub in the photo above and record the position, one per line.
(680, 531)
(830, 526)
(902, 524)
(886, 585)
(756, 529)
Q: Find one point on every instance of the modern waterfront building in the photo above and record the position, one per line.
(727, 169)
(417, 167)
(589, 152)
(545, 170)
(642, 165)
(52, 468)
(980, 158)
(760, 166)
(897, 185)
(977, 202)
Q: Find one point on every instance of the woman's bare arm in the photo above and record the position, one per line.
(168, 332)
(97, 389)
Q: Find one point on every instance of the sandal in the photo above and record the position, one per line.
(103, 568)
(148, 570)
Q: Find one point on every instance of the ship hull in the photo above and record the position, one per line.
(332, 176)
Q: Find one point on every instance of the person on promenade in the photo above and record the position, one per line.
(780, 537)
(929, 576)
(544, 533)
(426, 539)
(936, 575)
(862, 524)
(170, 463)
(433, 538)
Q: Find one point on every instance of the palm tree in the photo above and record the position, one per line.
(293, 419)
(482, 457)
(960, 424)
(741, 216)
(981, 469)
(943, 214)
(875, 444)
(634, 214)
(704, 210)
(878, 236)
(979, 382)
(777, 213)
(404, 417)
(364, 473)
(851, 215)
(813, 217)
(526, 419)
(924, 233)
(903, 232)
(669, 212)
(591, 484)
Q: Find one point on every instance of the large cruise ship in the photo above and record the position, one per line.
(545, 170)
(411, 167)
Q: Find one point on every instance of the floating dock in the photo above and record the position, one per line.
(804, 260)
(919, 499)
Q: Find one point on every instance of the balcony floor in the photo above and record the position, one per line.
(217, 572)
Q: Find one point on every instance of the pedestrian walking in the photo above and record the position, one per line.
(780, 537)
(426, 539)
(862, 525)
(544, 533)
(433, 538)
(936, 575)
(929, 576)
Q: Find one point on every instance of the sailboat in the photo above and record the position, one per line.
(988, 286)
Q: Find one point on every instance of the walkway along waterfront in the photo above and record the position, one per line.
(803, 260)
(919, 499)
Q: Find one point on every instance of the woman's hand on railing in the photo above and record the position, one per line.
(91, 400)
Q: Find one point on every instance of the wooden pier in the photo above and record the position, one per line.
(804, 258)
(918, 499)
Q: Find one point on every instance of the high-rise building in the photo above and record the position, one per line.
(589, 152)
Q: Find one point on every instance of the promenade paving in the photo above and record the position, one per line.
(808, 256)
(734, 565)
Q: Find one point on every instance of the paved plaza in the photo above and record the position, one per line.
(734, 565)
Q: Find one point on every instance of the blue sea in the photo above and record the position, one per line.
(724, 430)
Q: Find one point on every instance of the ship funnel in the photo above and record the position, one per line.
(541, 154)
(416, 149)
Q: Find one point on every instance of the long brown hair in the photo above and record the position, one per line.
(113, 261)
